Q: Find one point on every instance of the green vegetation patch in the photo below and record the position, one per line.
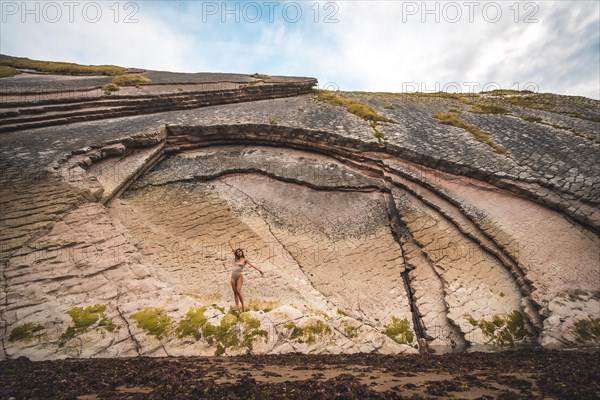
(130, 80)
(352, 106)
(25, 332)
(154, 321)
(380, 136)
(124, 80)
(588, 329)
(443, 95)
(478, 133)
(296, 331)
(251, 331)
(399, 331)
(86, 318)
(61, 67)
(262, 305)
(350, 330)
(233, 332)
(528, 101)
(314, 329)
(322, 313)
(260, 76)
(461, 97)
(369, 114)
(502, 329)
(489, 109)
(309, 332)
(192, 324)
(223, 335)
(109, 88)
(507, 92)
(550, 103)
(7, 72)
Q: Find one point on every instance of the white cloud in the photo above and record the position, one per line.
(149, 43)
(374, 46)
(381, 52)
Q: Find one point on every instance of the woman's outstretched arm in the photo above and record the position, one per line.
(248, 262)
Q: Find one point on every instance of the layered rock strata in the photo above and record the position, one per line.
(424, 241)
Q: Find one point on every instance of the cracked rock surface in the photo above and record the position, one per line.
(427, 241)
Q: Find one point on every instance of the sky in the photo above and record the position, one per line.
(391, 46)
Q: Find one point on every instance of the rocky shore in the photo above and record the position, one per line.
(522, 374)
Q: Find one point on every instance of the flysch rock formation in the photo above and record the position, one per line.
(409, 235)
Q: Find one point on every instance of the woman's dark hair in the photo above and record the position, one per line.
(239, 253)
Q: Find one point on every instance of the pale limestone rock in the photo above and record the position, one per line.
(113, 150)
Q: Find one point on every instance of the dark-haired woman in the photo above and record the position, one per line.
(237, 279)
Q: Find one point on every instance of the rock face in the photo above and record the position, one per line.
(401, 236)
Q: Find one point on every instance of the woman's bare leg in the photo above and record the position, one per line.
(240, 281)
(235, 294)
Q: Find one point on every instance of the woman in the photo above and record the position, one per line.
(237, 279)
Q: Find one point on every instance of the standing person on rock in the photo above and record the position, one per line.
(237, 279)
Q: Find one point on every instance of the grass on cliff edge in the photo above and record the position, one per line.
(480, 135)
(489, 109)
(7, 72)
(130, 80)
(352, 106)
(124, 80)
(261, 76)
(61, 67)
(369, 114)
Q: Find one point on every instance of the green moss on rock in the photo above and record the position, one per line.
(25, 332)
(323, 314)
(399, 331)
(315, 329)
(154, 321)
(350, 330)
(85, 319)
(233, 332)
(502, 329)
(130, 80)
(109, 88)
(480, 135)
(588, 329)
(262, 305)
(222, 309)
(192, 324)
(7, 72)
(309, 332)
(352, 106)
(489, 109)
(252, 331)
(296, 331)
